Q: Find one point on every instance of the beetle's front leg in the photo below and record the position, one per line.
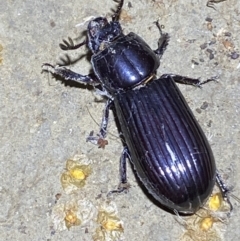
(186, 80)
(99, 139)
(67, 74)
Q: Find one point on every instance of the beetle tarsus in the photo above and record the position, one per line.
(123, 187)
(224, 190)
(208, 80)
(97, 140)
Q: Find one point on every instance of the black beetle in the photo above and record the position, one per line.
(165, 143)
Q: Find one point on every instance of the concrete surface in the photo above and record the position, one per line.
(44, 123)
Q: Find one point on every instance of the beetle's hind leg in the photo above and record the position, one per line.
(162, 42)
(123, 186)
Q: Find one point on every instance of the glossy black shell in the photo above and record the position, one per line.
(168, 148)
(126, 62)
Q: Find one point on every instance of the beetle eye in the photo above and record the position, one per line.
(96, 25)
(93, 31)
(101, 33)
(103, 22)
(110, 37)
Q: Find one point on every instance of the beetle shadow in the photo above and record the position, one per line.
(66, 61)
(140, 183)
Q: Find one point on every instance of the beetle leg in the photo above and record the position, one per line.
(67, 74)
(123, 186)
(224, 190)
(162, 42)
(99, 139)
(185, 80)
(116, 13)
(123, 168)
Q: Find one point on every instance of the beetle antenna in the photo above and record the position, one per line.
(116, 13)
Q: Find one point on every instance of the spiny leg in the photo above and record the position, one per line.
(224, 190)
(123, 186)
(67, 74)
(186, 80)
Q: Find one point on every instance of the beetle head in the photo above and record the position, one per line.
(101, 33)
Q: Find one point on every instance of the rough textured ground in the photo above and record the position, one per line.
(44, 123)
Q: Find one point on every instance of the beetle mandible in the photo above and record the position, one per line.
(162, 138)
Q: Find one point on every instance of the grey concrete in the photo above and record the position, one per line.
(43, 122)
